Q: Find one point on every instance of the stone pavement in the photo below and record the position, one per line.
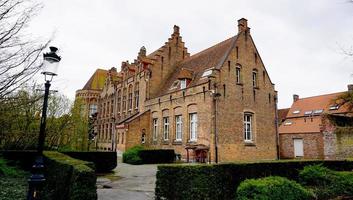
(128, 182)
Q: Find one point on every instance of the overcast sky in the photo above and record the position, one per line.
(299, 41)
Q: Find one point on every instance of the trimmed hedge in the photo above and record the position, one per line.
(220, 181)
(272, 187)
(156, 156)
(326, 183)
(137, 155)
(68, 178)
(103, 161)
(23, 158)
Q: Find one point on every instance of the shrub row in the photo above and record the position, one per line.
(137, 155)
(103, 161)
(220, 181)
(272, 187)
(326, 183)
(68, 178)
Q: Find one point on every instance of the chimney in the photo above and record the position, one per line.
(295, 97)
(242, 25)
(176, 29)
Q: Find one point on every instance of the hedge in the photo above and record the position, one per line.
(137, 155)
(272, 187)
(326, 183)
(103, 161)
(220, 181)
(68, 178)
(156, 156)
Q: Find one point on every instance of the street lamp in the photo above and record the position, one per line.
(50, 66)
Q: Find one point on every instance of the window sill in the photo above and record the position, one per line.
(249, 143)
(177, 142)
(192, 141)
(165, 142)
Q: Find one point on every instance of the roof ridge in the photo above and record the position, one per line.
(320, 95)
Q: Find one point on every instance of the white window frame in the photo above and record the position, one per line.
(166, 128)
(93, 109)
(178, 128)
(182, 84)
(136, 97)
(193, 126)
(248, 127)
(155, 129)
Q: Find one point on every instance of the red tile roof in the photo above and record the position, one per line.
(282, 114)
(309, 123)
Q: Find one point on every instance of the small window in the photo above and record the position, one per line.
(318, 111)
(175, 85)
(178, 128)
(208, 72)
(155, 129)
(238, 75)
(254, 79)
(288, 123)
(334, 107)
(296, 112)
(143, 136)
(309, 112)
(182, 84)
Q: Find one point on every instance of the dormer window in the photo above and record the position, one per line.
(288, 123)
(175, 85)
(296, 112)
(318, 111)
(183, 83)
(309, 112)
(334, 107)
(206, 73)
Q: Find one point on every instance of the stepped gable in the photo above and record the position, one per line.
(97, 80)
(212, 57)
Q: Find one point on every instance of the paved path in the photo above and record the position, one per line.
(130, 182)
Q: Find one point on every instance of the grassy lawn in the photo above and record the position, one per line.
(13, 182)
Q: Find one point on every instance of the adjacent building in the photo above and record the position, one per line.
(216, 105)
(310, 129)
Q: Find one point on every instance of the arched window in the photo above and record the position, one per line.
(124, 100)
(143, 136)
(130, 98)
(248, 127)
(254, 79)
(119, 101)
(238, 74)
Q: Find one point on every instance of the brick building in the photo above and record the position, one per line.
(216, 104)
(307, 130)
(90, 93)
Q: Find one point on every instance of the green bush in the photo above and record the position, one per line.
(219, 181)
(104, 161)
(13, 182)
(272, 188)
(155, 156)
(68, 178)
(131, 155)
(327, 183)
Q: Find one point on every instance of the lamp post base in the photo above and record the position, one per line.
(36, 180)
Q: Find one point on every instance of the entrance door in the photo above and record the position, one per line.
(298, 148)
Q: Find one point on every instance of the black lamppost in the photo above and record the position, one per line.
(50, 65)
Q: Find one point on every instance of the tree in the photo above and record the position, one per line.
(19, 53)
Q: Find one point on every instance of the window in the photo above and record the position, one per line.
(155, 129)
(237, 74)
(175, 85)
(254, 79)
(319, 111)
(92, 109)
(308, 112)
(288, 123)
(296, 112)
(143, 136)
(193, 126)
(136, 96)
(178, 128)
(166, 128)
(207, 72)
(130, 97)
(334, 107)
(248, 127)
(119, 101)
(182, 83)
(124, 100)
